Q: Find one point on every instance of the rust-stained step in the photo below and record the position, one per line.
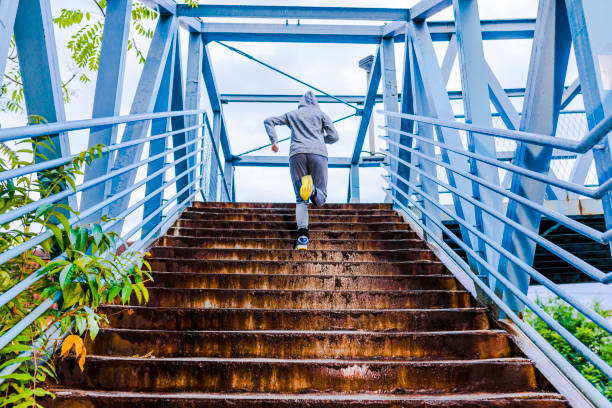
(284, 243)
(290, 234)
(166, 318)
(308, 299)
(103, 399)
(297, 376)
(292, 255)
(311, 211)
(289, 218)
(442, 345)
(320, 282)
(298, 267)
(288, 225)
(329, 206)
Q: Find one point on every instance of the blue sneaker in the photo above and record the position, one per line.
(302, 243)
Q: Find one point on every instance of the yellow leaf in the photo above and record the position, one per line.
(68, 343)
(82, 359)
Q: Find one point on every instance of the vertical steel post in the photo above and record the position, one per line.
(178, 122)
(40, 73)
(107, 99)
(434, 102)
(159, 126)
(428, 186)
(144, 101)
(354, 196)
(592, 33)
(406, 106)
(229, 181)
(473, 69)
(390, 98)
(547, 69)
(193, 86)
(8, 11)
(214, 167)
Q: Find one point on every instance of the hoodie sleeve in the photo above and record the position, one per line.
(274, 121)
(331, 134)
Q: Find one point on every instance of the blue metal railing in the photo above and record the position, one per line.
(193, 152)
(408, 193)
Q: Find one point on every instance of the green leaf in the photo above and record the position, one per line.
(59, 239)
(65, 275)
(98, 234)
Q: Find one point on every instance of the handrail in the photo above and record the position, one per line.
(415, 194)
(23, 132)
(577, 146)
(566, 185)
(557, 359)
(580, 228)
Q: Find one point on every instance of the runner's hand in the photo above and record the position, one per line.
(275, 147)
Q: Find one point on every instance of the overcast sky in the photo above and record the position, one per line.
(332, 68)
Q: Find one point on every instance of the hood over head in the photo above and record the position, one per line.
(308, 100)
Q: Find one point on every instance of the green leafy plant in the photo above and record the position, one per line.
(85, 272)
(585, 330)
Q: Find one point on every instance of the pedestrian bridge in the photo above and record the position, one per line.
(417, 301)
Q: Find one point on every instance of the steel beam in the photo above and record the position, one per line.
(193, 92)
(355, 34)
(547, 70)
(291, 12)
(107, 99)
(229, 181)
(579, 172)
(354, 99)
(407, 105)
(422, 107)
(491, 29)
(8, 11)
(570, 93)
(390, 98)
(215, 102)
(427, 8)
(144, 102)
(473, 68)
(435, 103)
(40, 73)
(283, 161)
(178, 123)
(501, 100)
(214, 164)
(354, 195)
(591, 33)
(163, 103)
(449, 59)
(367, 107)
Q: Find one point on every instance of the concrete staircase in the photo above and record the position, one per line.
(366, 317)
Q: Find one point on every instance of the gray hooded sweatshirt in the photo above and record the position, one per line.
(310, 128)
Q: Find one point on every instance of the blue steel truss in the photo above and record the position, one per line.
(430, 152)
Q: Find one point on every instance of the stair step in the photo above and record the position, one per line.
(307, 299)
(156, 318)
(298, 267)
(288, 225)
(290, 234)
(100, 399)
(290, 282)
(284, 243)
(329, 206)
(288, 218)
(291, 211)
(298, 376)
(459, 345)
(291, 254)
